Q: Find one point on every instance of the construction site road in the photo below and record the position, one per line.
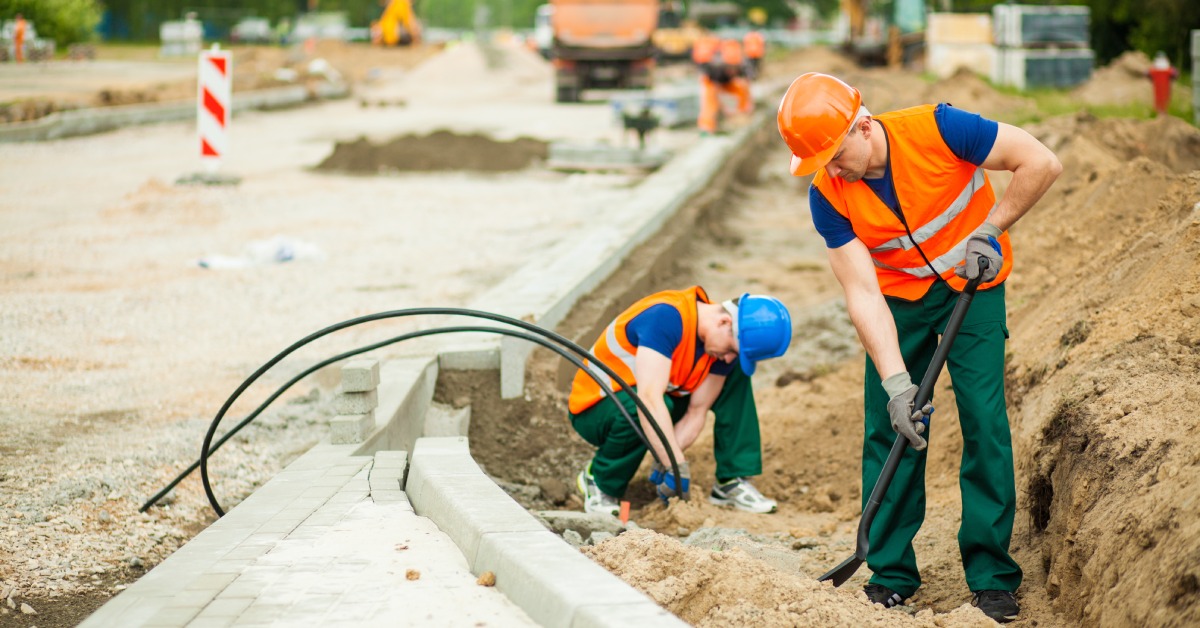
(131, 306)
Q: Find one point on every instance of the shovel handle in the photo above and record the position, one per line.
(924, 394)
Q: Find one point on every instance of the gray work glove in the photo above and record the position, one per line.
(982, 243)
(906, 420)
(670, 486)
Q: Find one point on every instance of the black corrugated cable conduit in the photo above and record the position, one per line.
(208, 447)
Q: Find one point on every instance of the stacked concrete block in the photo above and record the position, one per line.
(356, 403)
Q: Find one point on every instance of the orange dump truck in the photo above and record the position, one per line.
(602, 43)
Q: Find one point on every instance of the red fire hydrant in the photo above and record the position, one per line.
(1161, 74)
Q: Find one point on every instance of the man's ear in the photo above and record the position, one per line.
(864, 125)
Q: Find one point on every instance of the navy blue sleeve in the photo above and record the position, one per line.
(970, 136)
(832, 226)
(660, 328)
(722, 368)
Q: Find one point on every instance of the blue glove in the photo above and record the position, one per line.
(982, 243)
(670, 486)
(657, 471)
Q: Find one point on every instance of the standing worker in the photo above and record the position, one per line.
(907, 212)
(19, 27)
(722, 69)
(1161, 74)
(677, 350)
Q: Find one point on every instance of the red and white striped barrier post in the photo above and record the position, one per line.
(213, 105)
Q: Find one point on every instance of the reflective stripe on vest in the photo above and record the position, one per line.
(614, 349)
(943, 200)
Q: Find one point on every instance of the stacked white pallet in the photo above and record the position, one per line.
(959, 40)
(1041, 46)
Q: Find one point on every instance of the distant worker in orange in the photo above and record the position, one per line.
(19, 26)
(722, 69)
(755, 46)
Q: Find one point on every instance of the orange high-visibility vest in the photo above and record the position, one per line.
(943, 199)
(614, 349)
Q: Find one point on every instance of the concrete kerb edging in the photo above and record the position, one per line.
(551, 581)
(92, 120)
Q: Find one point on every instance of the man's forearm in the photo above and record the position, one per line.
(1029, 183)
(877, 332)
(689, 427)
(662, 418)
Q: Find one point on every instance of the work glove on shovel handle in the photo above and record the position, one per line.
(669, 486)
(907, 420)
(983, 243)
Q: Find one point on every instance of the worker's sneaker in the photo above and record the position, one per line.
(594, 500)
(879, 594)
(1001, 606)
(741, 494)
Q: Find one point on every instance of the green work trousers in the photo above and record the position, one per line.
(976, 364)
(737, 445)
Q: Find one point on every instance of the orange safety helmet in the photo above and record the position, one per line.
(731, 51)
(704, 47)
(815, 115)
(755, 44)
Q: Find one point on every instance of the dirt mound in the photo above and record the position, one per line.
(1122, 82)
(496, 73)
(967, 90)
(731, 588)
(1102, 143)
(1106, 349)
(440, 150)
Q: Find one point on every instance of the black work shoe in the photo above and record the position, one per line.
(880, 594)
(1001, 606)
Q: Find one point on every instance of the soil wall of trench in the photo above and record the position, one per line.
(1104, 314)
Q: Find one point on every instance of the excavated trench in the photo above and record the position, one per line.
(1104, 352)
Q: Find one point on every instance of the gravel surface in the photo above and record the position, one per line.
(117, 349)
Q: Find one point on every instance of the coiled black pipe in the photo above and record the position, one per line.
(205, 450)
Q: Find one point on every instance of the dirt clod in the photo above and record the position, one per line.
(440, 150)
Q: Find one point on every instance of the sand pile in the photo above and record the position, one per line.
(730, 588)
(1106, 349)
(440, 150)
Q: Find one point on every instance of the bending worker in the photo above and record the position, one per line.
(906, 211)
(722, 69)
(683, 355)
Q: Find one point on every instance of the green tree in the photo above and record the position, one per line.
(64, 21)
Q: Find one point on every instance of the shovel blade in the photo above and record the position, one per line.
(840, 574)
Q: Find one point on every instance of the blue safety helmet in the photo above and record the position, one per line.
(763, 329)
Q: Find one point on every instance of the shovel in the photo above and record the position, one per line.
(840, 574)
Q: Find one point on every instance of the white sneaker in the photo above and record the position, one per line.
(741, 494)
(594, 500)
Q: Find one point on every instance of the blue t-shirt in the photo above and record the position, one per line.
(660, 327)
(969, 136)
